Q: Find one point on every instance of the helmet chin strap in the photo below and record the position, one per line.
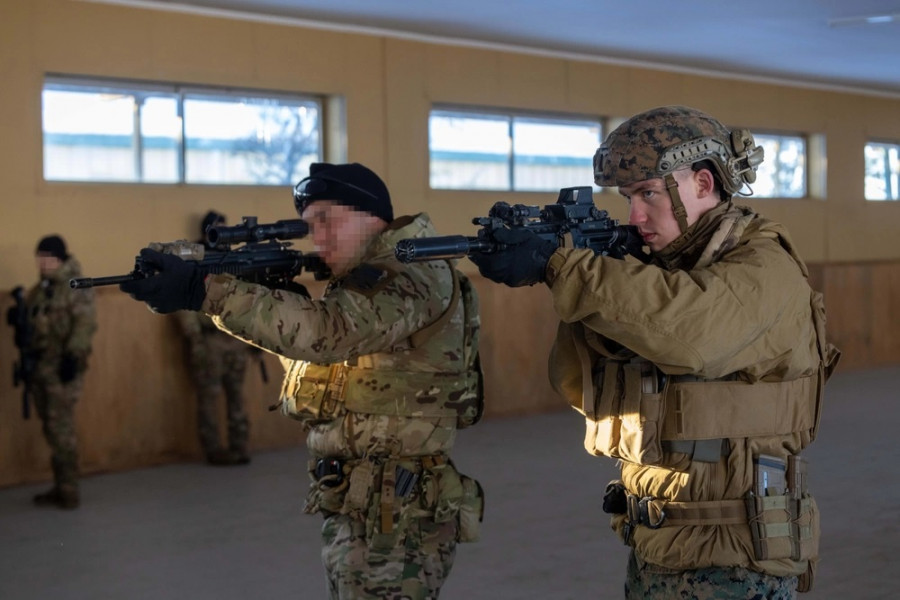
(677, 204)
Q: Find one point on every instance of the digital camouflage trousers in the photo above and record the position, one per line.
(646, 581)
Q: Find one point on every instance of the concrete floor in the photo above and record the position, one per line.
(193, 531)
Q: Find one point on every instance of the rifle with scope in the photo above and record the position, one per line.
(572, 222)
(261, 259)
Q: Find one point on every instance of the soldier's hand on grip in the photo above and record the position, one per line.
(522, 260)
(176, 284)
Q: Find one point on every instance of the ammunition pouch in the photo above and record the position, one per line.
(312, 392)
(388, 492)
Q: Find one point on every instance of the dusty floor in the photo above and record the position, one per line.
(192, 531)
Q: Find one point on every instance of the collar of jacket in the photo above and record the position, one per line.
(685, 250)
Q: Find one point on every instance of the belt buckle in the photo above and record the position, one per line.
(644, 512)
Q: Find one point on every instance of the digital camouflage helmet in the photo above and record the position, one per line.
(660, 141)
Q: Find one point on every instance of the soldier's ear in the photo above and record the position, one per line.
(704, 182)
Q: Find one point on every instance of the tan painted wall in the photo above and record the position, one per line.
(138, 407)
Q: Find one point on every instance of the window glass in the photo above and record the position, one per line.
(248, 140)
(783, 172)
(551, 155)
(89, 136)
(479, 151)
(167, 134)
(469, 151)
(882, 171)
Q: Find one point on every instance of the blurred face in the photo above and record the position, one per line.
(340, 233)
(47, 263)
(651, 205)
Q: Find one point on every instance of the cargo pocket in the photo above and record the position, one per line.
(449, 495)
(471, 510)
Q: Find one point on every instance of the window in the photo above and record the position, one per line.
(783, 172)
(146, 133)
(882, 171)
(489, 151)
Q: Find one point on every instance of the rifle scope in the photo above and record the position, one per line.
(250, 231)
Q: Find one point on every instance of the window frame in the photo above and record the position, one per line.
(510, 116)
(179, 92)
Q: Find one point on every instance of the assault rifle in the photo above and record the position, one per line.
(261, 259)
(573, 222)
(23, 369)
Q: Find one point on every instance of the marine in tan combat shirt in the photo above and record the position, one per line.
(702, 372)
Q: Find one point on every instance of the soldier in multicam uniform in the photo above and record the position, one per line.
(218, 364)
(382, 371)
(63, 323)
(702, 371)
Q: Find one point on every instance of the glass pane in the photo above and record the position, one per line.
(469, 151)
(549, 155)
(260, 141)
(783, 172)
(160, 139)
(89, 135)
(882, 171)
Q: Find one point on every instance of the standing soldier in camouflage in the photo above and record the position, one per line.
(218, 363)
(63, 323)
(702, 372)
(382, 371)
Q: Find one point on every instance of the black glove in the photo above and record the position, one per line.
(177, 285)
(68, 368)
(522, 261)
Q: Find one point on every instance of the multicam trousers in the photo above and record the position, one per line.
(647, 581)
(415, 569)
(55, 405)
(221, 367)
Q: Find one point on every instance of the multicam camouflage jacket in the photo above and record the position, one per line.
(401, 394)
(63, 320)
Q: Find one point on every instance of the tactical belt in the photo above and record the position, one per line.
(332, 472)
(781, 526)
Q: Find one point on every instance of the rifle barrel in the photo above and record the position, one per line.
(439, 248)
(88, 282)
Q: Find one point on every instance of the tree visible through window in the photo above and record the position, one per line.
(169, 134)
(783, 172)
(882, 171)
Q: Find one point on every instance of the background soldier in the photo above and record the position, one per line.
(382, 371)
(218, 363)
(702, 372)
(63, 323)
